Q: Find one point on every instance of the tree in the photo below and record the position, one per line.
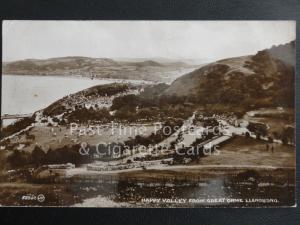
(37, 156)
(129, 101)
(145, 114)
(51, 157)
(18, 159)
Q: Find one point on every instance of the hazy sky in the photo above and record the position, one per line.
(142, 39)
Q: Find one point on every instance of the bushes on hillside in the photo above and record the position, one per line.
(168, 128)
(18, 159)
(129, 101)
(83, 115)
(17, 126)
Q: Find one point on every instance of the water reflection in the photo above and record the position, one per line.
(196, 192)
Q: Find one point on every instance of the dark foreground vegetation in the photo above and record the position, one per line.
(17, 126)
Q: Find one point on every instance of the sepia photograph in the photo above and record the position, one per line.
(148, 114)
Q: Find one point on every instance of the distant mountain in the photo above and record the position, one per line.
(167, 61)
(96, 68)
(177, 63)
(43, 66)
(264, 79)
(145, 63)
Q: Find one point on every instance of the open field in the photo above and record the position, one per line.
(56, 137)
(252, 152)
(276, 119)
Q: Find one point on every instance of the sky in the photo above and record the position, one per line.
(210, 40)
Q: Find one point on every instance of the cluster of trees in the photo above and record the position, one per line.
(260, 129)
(222, 109)
(154, 113)
(168, 128)
(132, 101)
(83, 115)
(150, 105)
(196, 149)
(126, 101)
(66, 154)
(107, 89)
(210, 122)
(287, 135)
(132, 108)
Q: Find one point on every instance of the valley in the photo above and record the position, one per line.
(225, 129)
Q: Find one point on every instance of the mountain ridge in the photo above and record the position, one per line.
(95, 67)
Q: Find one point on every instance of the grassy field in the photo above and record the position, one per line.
(274, 118)
(248, 151)
(54, 137)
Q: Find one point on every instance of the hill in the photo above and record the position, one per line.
(96, 67)
(260, 80)
(144, 63)
(53, 64)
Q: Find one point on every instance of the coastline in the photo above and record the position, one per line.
(42, 96)
(82, 78)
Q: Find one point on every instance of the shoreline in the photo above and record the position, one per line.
(82, 78)
(74, 78)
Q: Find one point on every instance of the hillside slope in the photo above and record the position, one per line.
(264, 79)
(189, 83)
